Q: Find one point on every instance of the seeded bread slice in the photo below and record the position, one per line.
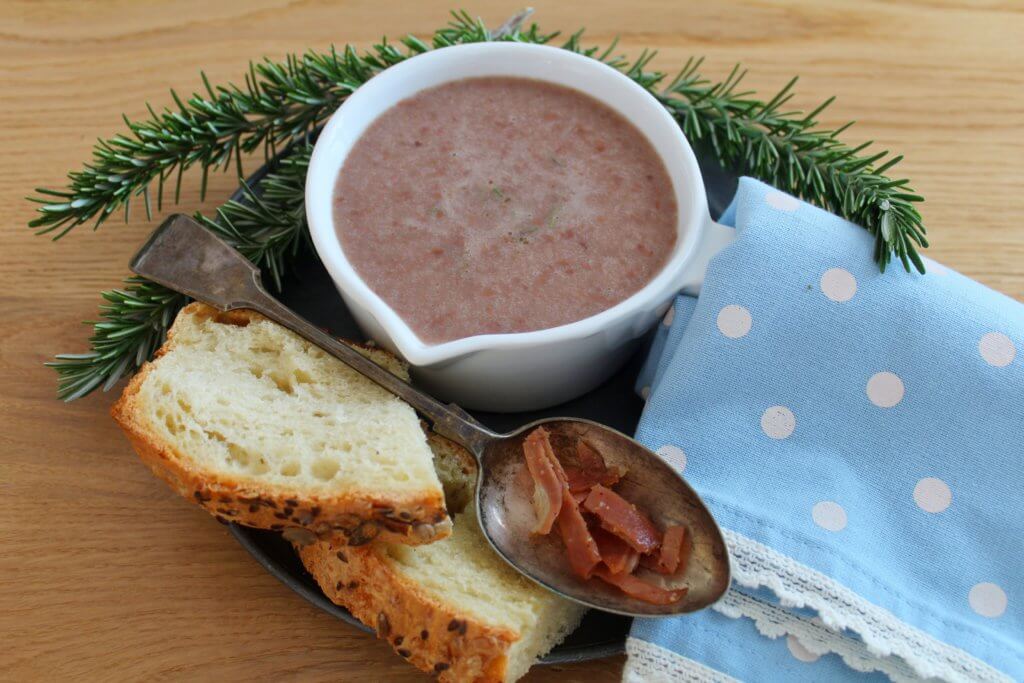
(452, 608)
(264, 429)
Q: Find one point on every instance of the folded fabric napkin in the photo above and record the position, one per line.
(860, 439)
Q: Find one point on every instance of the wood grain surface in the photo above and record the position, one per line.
(107, 575)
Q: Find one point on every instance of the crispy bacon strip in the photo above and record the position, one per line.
(547, 486)
(612, 549)
(621, 517)
(616, 554)
(675, 548)
(674, 554)
(550, 481)
(587, 457)
(590, 470)
(635, 587)
(581, 547)
(552, 458)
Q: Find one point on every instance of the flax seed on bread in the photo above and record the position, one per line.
(451, 608)
(262, 428)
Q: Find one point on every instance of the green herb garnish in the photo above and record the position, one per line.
(281, 103)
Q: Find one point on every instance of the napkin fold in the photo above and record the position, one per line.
(859, 437)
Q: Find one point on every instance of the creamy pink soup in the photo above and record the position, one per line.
(494, 205)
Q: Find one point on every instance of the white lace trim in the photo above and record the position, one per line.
(650, 663)
(773, 621)
(755, 565)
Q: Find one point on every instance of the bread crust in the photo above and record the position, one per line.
(431, 635)
(303, 516)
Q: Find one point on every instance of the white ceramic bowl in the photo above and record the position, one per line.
(528, 370)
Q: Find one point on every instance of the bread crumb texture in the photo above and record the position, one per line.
(258, 401)
(465, 573)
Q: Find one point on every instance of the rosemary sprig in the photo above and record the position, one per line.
(282, 103)
(786, 149)
(279, 103)
(268, 226)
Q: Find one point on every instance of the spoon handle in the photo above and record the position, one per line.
(186, 257)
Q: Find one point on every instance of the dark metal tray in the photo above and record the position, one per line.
(309, 291)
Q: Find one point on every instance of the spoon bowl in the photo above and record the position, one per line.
(505, 511)
(184, 256)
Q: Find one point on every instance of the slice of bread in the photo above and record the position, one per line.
(262, 428)
(452, 608)
(456, 469)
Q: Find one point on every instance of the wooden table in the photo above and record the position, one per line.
(104, 573)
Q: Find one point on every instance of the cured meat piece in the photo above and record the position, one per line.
(674, 554)
(616, 554)
(547, 486)
(635, 587)
(615, 537)
(580, 545)
(587, 457)
(622, 518)
(590, 470)
(556, 464)
(675, 549)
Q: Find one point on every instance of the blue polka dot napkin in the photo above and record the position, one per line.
(860, 438)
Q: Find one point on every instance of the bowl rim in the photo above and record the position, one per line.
(672, 147)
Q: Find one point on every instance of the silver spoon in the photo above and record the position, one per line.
(186, 257)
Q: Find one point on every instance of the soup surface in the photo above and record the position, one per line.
(494, 205)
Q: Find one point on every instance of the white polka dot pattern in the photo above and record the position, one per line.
(673, 455)
(988, 600)
(997, 349)
(885, 389)
(778, 422)
(734, 321)
(829, 515)
(907, 388)
(838, 284)
(932, 495)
